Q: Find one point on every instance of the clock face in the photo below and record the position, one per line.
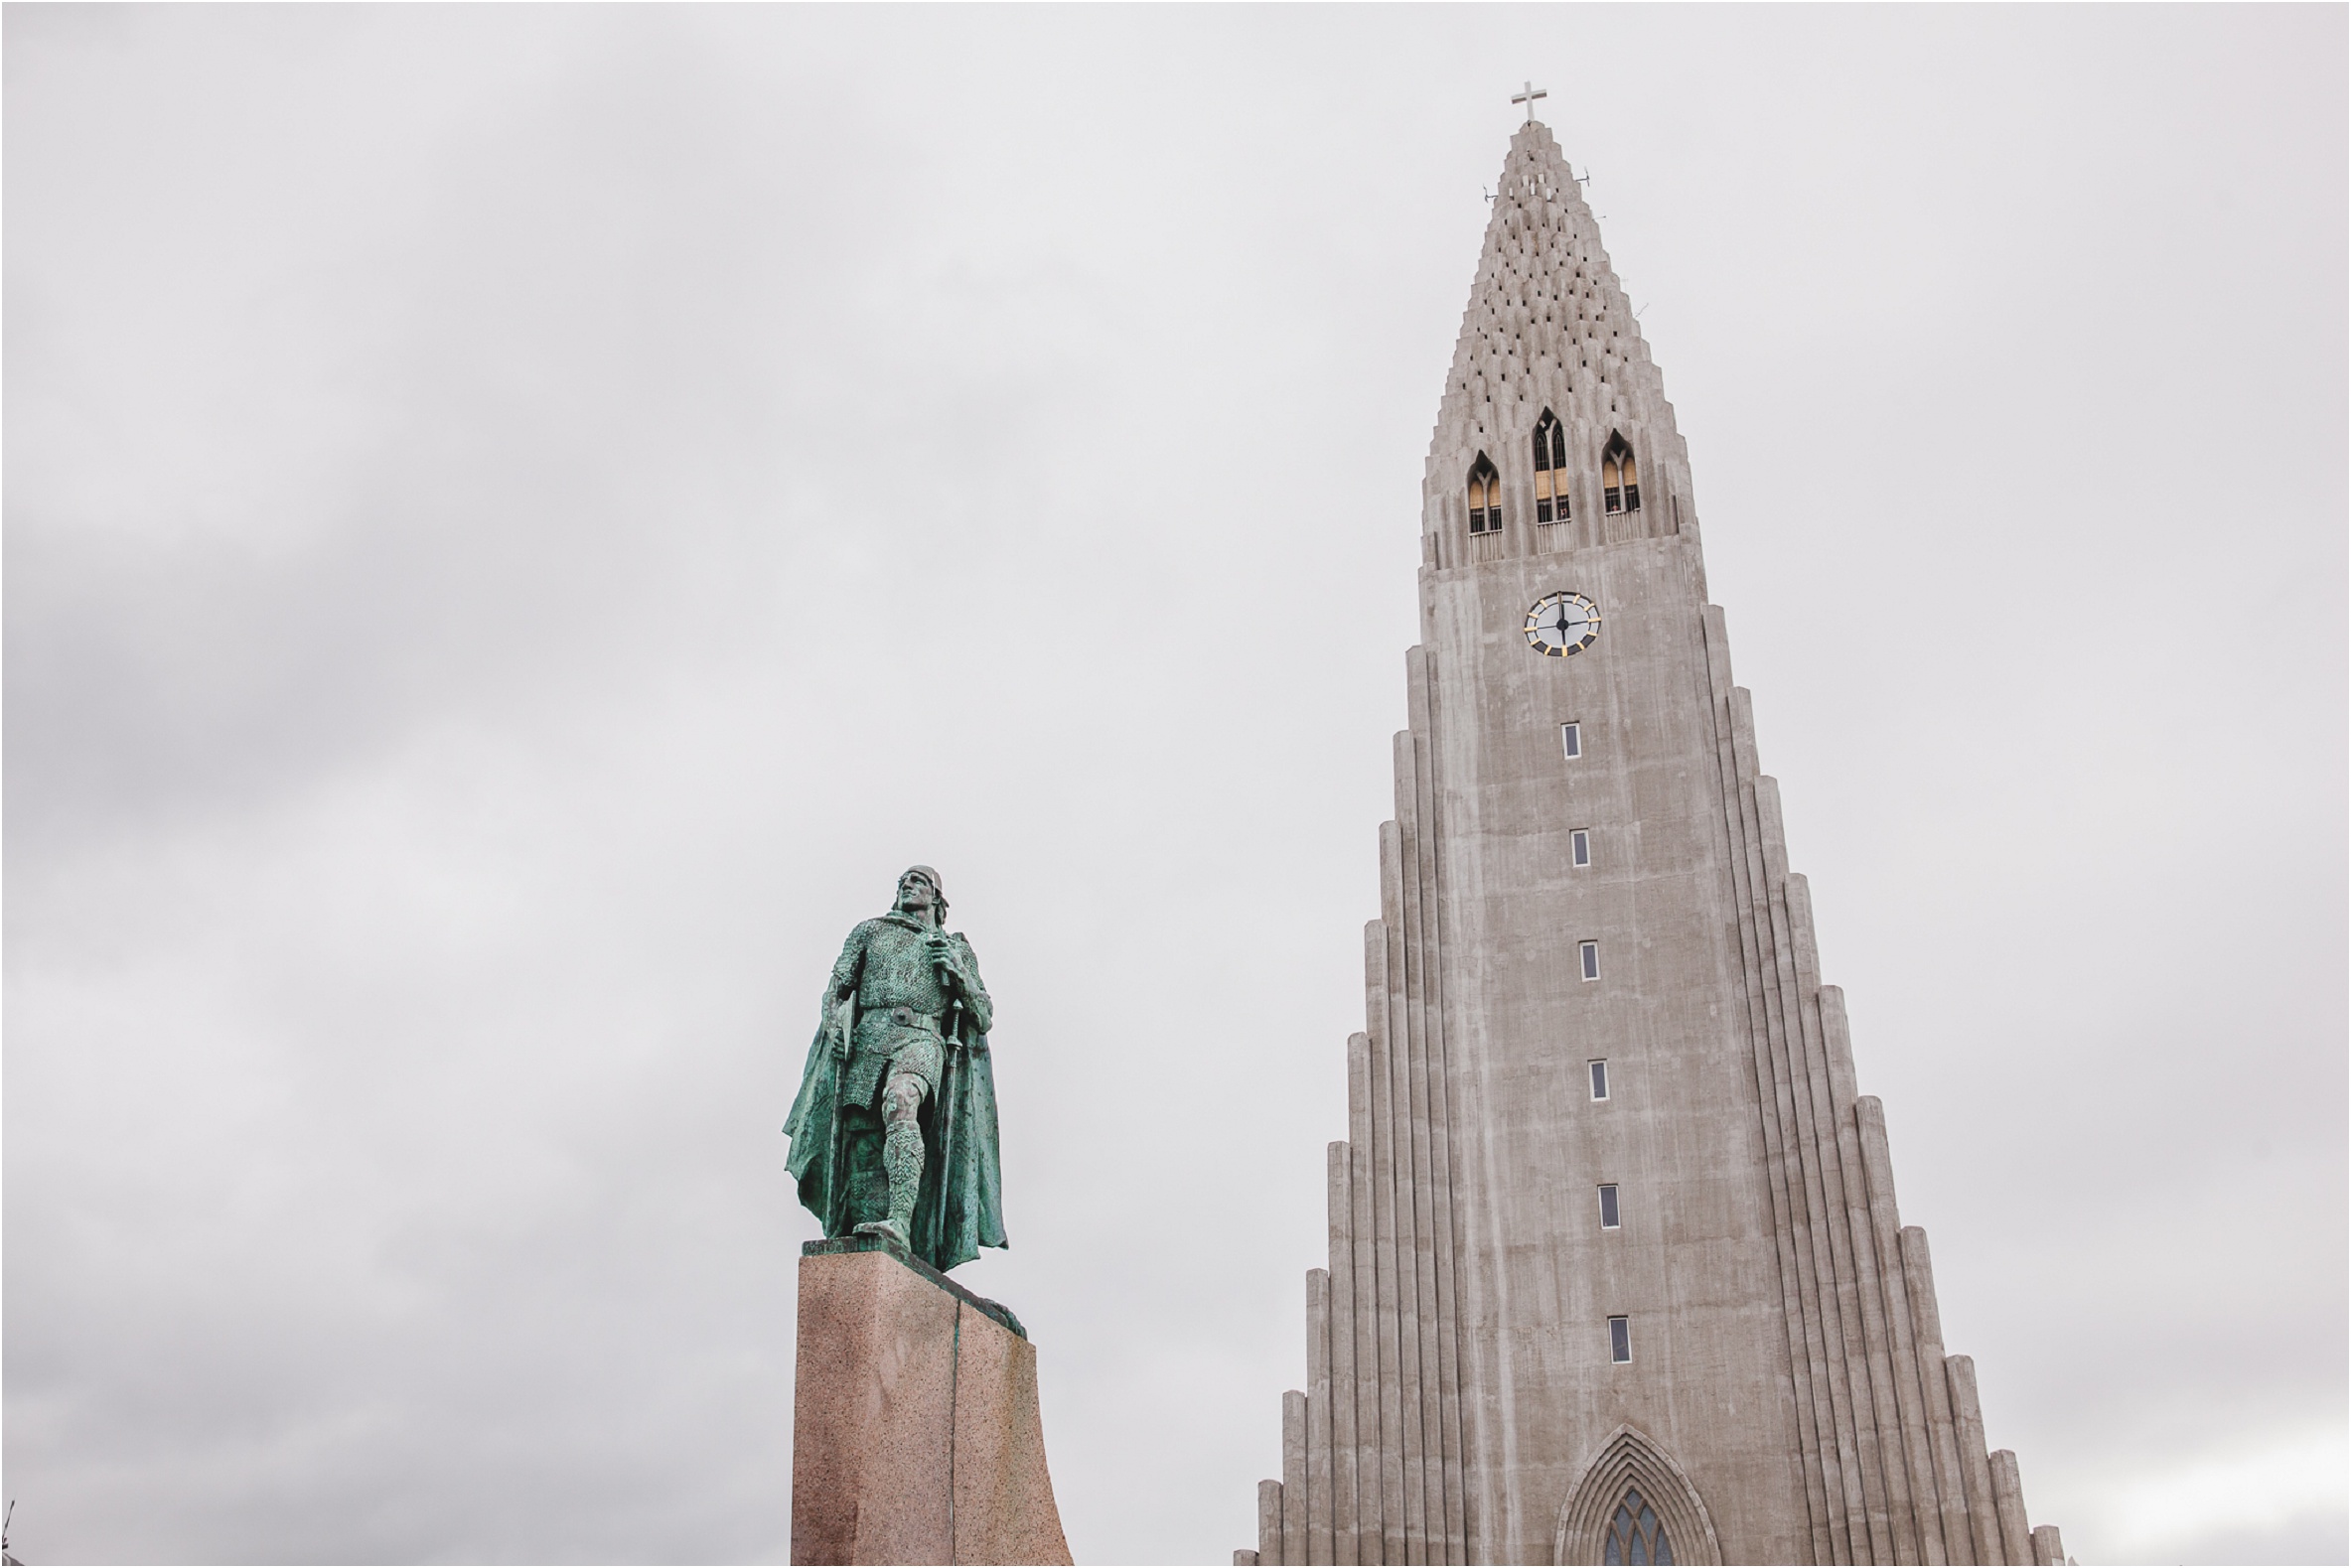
(1561, 625)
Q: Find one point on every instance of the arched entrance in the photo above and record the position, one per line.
(1633, 1505)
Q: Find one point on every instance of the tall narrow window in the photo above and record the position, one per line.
(1579, 846)
(1620, 1340)
(1609, 1219)
(1550, 470)
(1571, 739)
(1587, 958)
(1635, 1534)
(1620, 479)
(1599, 1072)
(1484, 497)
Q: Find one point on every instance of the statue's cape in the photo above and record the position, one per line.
(961, 1206)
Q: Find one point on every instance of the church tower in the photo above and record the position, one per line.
(1616, 1274)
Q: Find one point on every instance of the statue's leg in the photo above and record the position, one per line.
(864, 1189)
(902, 1153)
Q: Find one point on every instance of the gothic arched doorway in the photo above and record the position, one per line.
(1633, 1505)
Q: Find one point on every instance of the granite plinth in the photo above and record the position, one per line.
(915, 1433)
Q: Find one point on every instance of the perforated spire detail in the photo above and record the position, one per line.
(1550, 328)
(1547, 319)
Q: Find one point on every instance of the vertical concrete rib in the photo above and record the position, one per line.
(1849, 1319)
(1415, 970)
(1418, 700)
(1967, 1418)
(1406, 1205)
(1294, 1477)
(1487, 1430)
(1836, 1043)
(1881, 1414)
(1391, 1379)
(2008, 1490)
(1817, 1268)
(1812, 1418)
(1318, 1416)
(1902, 1448)
(1269, 1521)
(1926, 1327)
(1409, 1423)
(1367, 1549)
(1339, 1205)
(1884, 1230)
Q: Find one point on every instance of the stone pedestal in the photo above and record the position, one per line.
(915, 1434)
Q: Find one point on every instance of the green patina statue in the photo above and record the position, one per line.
(894, 1131)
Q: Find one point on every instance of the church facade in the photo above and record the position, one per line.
(1616, 1272)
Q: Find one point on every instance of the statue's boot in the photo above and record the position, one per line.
(901, 1162)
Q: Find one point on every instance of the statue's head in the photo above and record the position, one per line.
(918, 893)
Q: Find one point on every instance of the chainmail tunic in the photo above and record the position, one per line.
(901, 1006)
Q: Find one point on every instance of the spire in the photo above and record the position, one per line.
(1549, 325)
(1547, 318)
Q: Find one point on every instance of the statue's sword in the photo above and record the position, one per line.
(953, 1034)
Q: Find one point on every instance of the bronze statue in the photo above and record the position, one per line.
(894, 1131)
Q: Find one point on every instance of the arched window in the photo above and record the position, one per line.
(1550, 470)
(1620, 481)
(1634, 1505)
(1635, 1534)
(1484, 497)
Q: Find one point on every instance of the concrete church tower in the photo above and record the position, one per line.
(1615, 1269)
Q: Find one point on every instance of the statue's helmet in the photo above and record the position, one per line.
(938, 888)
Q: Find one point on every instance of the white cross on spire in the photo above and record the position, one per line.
(1527, 97)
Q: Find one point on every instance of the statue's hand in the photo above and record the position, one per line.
(942, 954)
(836, 1040)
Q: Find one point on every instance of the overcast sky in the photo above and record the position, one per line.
(521, 523)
